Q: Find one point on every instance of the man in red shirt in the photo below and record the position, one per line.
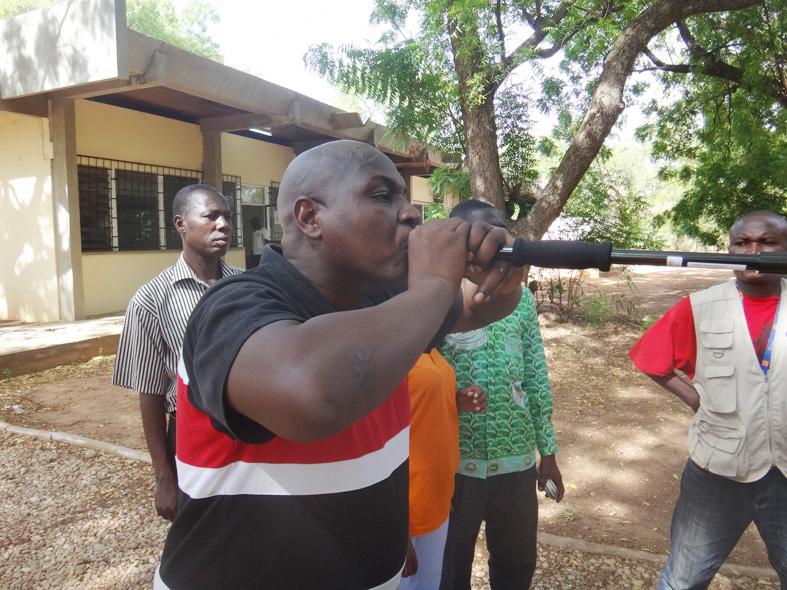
(730, 344)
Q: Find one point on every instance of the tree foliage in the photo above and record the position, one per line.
(9, 8)
(451, 83)
(187, 29)
(725, 131)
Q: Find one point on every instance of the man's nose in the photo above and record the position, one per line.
(754, 247)
(409, 214)
(223, 222)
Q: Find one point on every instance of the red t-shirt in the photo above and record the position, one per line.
(671, 343)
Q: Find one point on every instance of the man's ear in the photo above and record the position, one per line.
(180, 224)
(306, 213)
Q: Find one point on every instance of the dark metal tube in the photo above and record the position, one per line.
(768, 262)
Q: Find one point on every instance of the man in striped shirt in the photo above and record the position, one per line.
(152, 337)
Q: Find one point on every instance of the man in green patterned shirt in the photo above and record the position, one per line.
(496, 481)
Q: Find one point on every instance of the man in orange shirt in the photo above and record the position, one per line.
(434, 459)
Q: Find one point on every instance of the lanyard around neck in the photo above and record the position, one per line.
(765, 363)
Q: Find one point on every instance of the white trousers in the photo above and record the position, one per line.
(429, 550)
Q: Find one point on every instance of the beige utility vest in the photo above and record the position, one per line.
(740, 429)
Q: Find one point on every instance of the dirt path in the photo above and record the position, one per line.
(622, 439)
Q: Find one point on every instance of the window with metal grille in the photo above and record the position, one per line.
(95, 213)
(137, 199)
(230, 186)
(272, 212)
(126, 206)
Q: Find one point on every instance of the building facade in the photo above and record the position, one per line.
(100, 126)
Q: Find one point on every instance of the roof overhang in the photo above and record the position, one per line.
(83, 50)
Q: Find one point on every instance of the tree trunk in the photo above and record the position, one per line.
(607, 104)
(483, 164)
(480, 127)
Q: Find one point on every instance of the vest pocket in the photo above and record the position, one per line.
(717, 447)
(717, 390)
(715, 340)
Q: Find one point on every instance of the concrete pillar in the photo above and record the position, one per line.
(211, 158)
(65, 198)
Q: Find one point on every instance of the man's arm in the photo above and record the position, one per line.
(323, 375)
(140, 366)
(539, 394)
(477, 315)
(678, 386)
(154, 424)
(669, 345)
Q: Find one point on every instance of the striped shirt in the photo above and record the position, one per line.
(153, 329)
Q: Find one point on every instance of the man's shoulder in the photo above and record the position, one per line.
(720, 292)
(527, 304)
(155, 288)
(240, 290)
(228, 271)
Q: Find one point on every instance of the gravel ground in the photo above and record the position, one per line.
(72, 518)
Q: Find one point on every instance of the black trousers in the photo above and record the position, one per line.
(509, 505)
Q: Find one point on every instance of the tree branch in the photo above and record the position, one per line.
(542, 26)
(501, 35)
(607, 104)
(710, 65)
(660, 65)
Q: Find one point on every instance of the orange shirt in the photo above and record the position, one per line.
(434, 442)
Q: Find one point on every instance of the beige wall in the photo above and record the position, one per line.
(110, 132)
(256, 162)
(114, 277)
(450, 201)
(419, 190)
(28, 270)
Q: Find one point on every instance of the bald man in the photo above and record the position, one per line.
(293, 414)
(730, 342)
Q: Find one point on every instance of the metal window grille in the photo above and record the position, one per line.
(230, 186)
(137, 205)
(95, 212)
(128, 205)
(272, 212)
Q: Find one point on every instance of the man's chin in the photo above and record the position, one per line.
(752, 277)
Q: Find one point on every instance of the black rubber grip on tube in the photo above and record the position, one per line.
(562, 254)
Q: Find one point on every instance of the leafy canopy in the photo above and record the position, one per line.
(723, 127)
(187, 29)
(415, 81)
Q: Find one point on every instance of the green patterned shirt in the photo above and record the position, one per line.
(506, 359)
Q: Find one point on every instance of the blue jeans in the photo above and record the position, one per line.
(711, 515)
